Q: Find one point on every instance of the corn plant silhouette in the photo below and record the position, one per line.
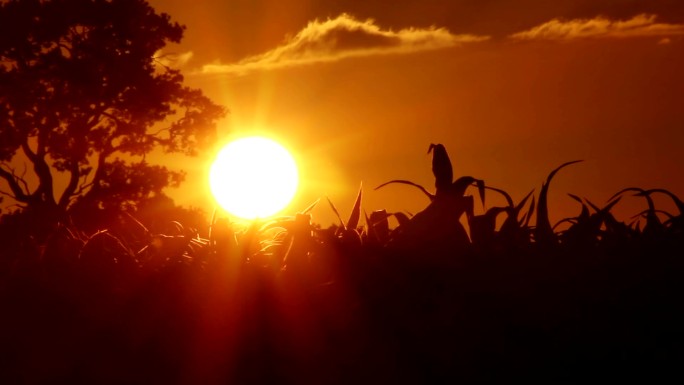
(439, 223)
(514, 232)
(543, 232)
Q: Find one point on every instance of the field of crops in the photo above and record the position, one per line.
(443, 296)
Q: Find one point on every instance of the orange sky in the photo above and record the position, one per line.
(511, 88)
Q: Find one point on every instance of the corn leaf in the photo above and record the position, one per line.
(481, 189)
(543, 230)
(336, 213)
(401, 181)
(369, 227)
(593, 206)
(575, 197)
(564, 220)
(522, 203)
(585, 210)
(355, 215)
(610, 205)
(212, 223)
(675, 199)
(402, 218)
(508, 198)
(310, 207)
(646, 212)
(530, 212)
(458, 188)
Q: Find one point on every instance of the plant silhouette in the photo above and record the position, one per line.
(286, 301)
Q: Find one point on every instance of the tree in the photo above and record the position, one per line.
(83, 98)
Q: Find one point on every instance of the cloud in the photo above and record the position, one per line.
(600, 27)
(344, 37)
(172, 60)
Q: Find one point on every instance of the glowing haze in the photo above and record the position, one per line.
(511, 88)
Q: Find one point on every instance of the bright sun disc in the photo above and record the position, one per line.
(253, 177)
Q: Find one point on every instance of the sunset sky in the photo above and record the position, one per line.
(358, 91)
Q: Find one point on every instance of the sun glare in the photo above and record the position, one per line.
(253, 177)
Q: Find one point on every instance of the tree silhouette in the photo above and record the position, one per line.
(83, 98)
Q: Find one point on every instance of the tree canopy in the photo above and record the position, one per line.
(84, 96)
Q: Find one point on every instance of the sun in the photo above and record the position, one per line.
(253, 177)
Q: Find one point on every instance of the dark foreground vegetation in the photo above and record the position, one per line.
(99, 287)
(285, 301)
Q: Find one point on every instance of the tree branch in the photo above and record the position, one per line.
(12, 180)
(99, 172)
(28, 152)
(71, 187)
(20, 179)
(81, 189)
(42, 169)
(79, 153)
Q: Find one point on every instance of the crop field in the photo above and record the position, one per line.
(445, 295)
